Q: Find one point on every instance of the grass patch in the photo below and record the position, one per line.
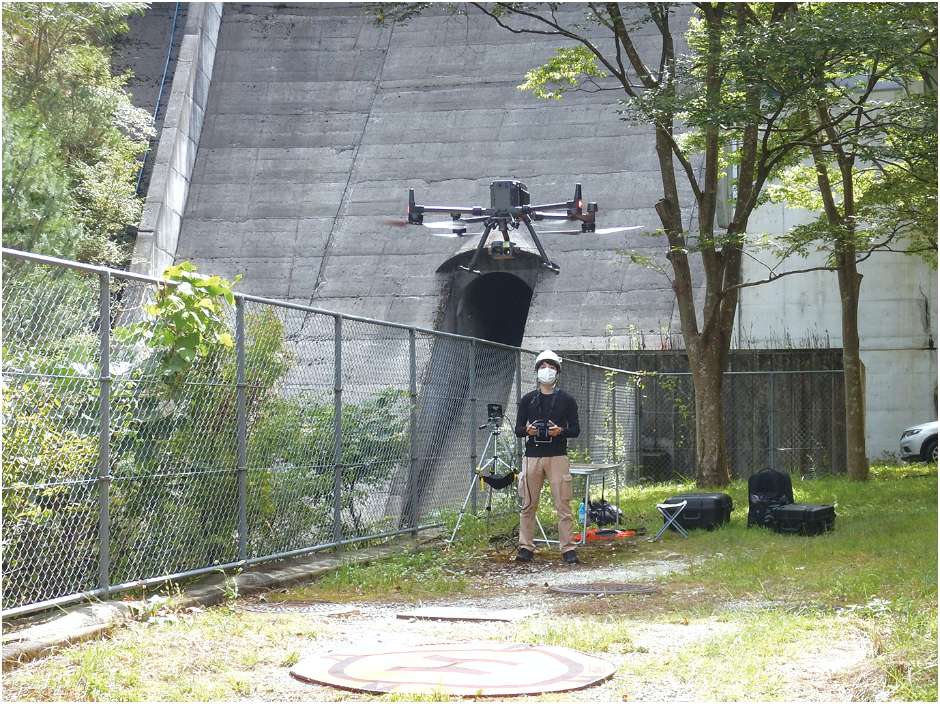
(409, 576)
(746, 661)
(212, 655)
(607, 634)
(432, 571)
(879, 565)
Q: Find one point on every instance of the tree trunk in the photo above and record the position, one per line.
(849, 286)
(710, 452)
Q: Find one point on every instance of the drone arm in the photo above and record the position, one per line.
(552, 206)
(549, 216)
(472, 209)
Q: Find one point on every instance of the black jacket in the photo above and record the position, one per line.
(559, 407)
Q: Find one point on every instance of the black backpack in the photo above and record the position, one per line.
(603, 513)
(766, 489)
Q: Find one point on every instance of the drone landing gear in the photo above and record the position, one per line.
(471, 267)
(481, 246)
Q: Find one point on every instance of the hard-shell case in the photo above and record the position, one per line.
(703, 510)
(803, 519)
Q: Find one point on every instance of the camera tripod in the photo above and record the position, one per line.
(487, 468)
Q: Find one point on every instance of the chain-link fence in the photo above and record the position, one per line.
(312, 430)
(793, 421)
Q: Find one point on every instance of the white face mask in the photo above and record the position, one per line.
(547, 375)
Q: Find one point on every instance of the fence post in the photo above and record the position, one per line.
(104, 431)
(613, 420)
(832, 425)
(638, 460)
(771, 423)
(613, 445)
(588, 438)
(473, 427)
(337, 427)
(519, 442)
(413, 419)
(241, 430)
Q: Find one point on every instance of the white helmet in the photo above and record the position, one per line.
(548, 356)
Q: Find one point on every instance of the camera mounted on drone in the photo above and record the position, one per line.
(510, 208)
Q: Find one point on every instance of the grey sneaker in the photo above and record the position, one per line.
(571, 557)
(524, 555)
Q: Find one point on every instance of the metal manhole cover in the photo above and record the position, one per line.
(484, 669)
(324, 608)
(604, 588)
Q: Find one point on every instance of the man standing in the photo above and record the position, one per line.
(546, 418)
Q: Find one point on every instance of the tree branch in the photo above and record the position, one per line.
(776, 277)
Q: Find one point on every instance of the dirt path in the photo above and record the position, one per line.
(828, 673)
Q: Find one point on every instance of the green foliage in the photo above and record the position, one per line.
(871, 104)
(174, 424)
(187, 320)
(396, 12)
(71, 136)
(292, 438)
(567, 69)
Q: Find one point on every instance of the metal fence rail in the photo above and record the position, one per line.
(315, 430)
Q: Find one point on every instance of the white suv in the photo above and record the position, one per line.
(919, 443)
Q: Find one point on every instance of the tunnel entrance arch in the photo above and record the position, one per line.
(495, 307)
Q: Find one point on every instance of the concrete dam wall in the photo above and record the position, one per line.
(317, 124)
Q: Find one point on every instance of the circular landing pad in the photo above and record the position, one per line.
(604, 588)
(484, 669)
(323, 608)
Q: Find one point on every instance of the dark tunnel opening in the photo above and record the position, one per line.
(495, 307)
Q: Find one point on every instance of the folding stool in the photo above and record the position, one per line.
(671, 514)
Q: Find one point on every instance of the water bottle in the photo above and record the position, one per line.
(581, 513)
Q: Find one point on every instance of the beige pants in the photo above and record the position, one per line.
(558, 472)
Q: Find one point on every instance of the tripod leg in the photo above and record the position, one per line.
(463, 510)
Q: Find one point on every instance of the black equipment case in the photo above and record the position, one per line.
(703, 510)
(804, 519)
(766, 489)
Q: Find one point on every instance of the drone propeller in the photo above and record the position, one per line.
(445, 225)
(602, 231)
(455, 234)
(612, 230)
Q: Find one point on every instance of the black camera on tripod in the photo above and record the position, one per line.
(494, 417)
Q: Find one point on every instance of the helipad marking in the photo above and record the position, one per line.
(466, 613)
(484, 669)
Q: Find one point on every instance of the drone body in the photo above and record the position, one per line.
(509, 208)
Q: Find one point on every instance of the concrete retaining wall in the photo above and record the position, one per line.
(170, 180)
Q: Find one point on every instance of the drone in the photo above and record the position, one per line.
(509, 208)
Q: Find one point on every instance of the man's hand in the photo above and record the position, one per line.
(553, 430)
(530, 429)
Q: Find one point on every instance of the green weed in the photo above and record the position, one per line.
(607, 634)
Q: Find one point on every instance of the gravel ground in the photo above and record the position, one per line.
(823, 676)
